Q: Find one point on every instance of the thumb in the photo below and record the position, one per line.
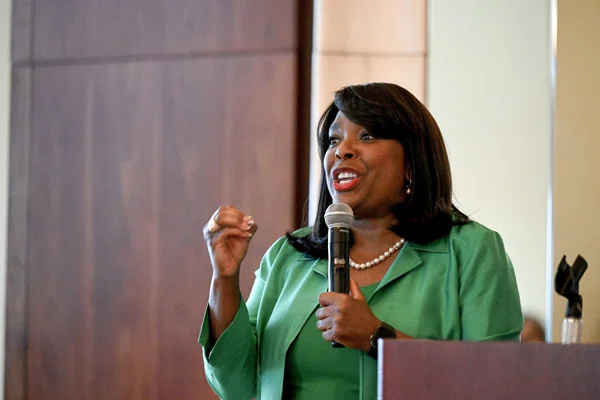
(355, 290)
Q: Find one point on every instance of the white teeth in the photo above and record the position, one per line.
(347, 175)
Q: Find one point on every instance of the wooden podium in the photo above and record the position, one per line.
(428, 370)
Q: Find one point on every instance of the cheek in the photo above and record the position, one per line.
(328, 160)
(394, 177)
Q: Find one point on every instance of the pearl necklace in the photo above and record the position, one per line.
(379, 259)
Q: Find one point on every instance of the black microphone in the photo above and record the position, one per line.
(339, 218)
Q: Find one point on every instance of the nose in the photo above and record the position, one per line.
(345, 150)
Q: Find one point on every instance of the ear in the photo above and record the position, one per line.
(407, 171)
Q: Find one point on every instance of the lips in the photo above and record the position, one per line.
(345, 179)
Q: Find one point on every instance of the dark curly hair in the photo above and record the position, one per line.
(389, 111)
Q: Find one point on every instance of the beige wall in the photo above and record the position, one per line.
(355, 42)
(576, 154)
(489, 86)
(5, 7)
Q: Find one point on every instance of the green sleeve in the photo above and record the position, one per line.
(230, 364)
(489, 296)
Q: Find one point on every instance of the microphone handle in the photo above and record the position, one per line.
(339, 263)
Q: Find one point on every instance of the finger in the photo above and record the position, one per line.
(252, 226)
(234, 232)
(329, 335)
(324, 324)
(229, 216)
(225, 233)
(217, 220)
(324, 312)
(328, 298)
(245, 232)
(355, 291)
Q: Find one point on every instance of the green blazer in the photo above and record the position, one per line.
(460, 287)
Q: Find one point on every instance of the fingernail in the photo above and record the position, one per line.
(247, 223)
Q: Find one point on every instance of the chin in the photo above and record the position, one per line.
(346, 200)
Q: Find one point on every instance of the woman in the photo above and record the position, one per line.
(422, 269)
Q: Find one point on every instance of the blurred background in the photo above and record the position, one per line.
(125, 124)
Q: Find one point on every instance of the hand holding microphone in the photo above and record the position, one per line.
(339, 218)
(344, 313)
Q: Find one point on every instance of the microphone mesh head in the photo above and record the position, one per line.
(339, 215)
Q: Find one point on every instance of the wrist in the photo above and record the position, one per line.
(372, 331)
(383, 331)
(225, 278)
(225, 284)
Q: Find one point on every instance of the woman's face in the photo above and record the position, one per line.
(364, 172)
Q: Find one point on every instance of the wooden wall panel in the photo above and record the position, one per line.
(237, 115)
(126, 169)
(132, 121)
(17, 329)
(21, 30)
(100, 28)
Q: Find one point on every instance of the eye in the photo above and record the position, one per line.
(367, 136)
(333, 140)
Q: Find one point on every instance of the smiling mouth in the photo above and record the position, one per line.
(345, 181)
(346, 177)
